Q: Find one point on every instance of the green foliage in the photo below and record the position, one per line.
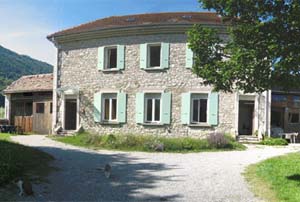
(276, 179)
(17, 160)
(150, 143)
(274, 141)
(261, 51)
(13, 66)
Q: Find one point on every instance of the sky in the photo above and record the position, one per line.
(26, 23)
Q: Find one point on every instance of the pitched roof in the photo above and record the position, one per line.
(144, 19)
(31, 83)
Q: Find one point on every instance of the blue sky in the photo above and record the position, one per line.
(26, 23)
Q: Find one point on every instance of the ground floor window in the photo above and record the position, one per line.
(40, 108)
(152, 108)
(109, 107)
(199, 108)
(294, 117)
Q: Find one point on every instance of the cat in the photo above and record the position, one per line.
(25, 187)
(107, 170)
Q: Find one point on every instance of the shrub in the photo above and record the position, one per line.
(217, 140)
(274, 141)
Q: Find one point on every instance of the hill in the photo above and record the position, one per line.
(14, 65)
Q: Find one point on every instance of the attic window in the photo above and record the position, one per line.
(187, 17)
(132, 19)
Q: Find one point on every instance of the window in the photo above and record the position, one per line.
(110, 57)
(293, 117)
(51, 107)
(152, 108)
(199, 108)
(40, 108)
(279, 98)
(109, 107)
(154, 55)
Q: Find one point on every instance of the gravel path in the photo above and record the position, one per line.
(137, 176)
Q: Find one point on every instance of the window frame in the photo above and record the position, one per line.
(107, 59)
(149, 55)
(110, 97)
(290, 117)
(153, 97)
(199, 96)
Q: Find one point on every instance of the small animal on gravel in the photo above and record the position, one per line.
(107, 170)
(25, 187)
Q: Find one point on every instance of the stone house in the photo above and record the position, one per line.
(132, 74)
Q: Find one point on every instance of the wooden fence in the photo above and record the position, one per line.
(24, 122)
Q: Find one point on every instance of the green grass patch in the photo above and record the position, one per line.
(274, 141)
(276, 179)
(147, 143)
(20, 161)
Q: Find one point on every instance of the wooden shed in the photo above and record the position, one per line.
(28, 103)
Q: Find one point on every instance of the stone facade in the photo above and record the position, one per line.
(77, 67)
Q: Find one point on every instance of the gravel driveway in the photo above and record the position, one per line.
(137, 176)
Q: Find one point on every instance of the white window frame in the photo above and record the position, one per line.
(198, 96)
(106, 57)
(149, 58)
(110, 97)
(153, 97)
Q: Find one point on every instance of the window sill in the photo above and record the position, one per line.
(110, 123)
(153, 69)
(152, 124)
(199, 125)
(110, 70)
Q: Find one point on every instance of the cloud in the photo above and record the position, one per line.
(24, 31)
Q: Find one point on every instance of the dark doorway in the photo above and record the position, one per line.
(246, 117)
(70, 114)
(277, 117)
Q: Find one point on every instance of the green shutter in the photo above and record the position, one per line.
(213, 108)
(143, 56)
(185, 108)
(121, 102)
(188, 57)
(139, 106)
(97, 107)
(166, 108)
(121, 57)
(100, 58)
(164, 63)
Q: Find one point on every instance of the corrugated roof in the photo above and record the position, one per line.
(144, 19)
(31, 83)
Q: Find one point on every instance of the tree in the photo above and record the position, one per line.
(262, 50)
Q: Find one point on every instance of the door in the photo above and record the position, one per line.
(70, 114)
(246, 117)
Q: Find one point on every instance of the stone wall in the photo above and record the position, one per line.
(77, 67)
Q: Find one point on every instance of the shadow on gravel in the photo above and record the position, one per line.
(77, 178)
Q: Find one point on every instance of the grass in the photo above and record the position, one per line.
(146, 143)
(274, 141)
(276, 179)
(20, 161)
(1, 112)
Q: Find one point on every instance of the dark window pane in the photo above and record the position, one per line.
(149, 110)
(195, 110)
(112, 58)
(28, 109)
(114, 109)
(106, 109)
(203, 110)
(40, 108)
(294, 117)
(157, 109)
(154, 56)
(51, 107)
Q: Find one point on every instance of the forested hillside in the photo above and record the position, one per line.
(13, 66)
